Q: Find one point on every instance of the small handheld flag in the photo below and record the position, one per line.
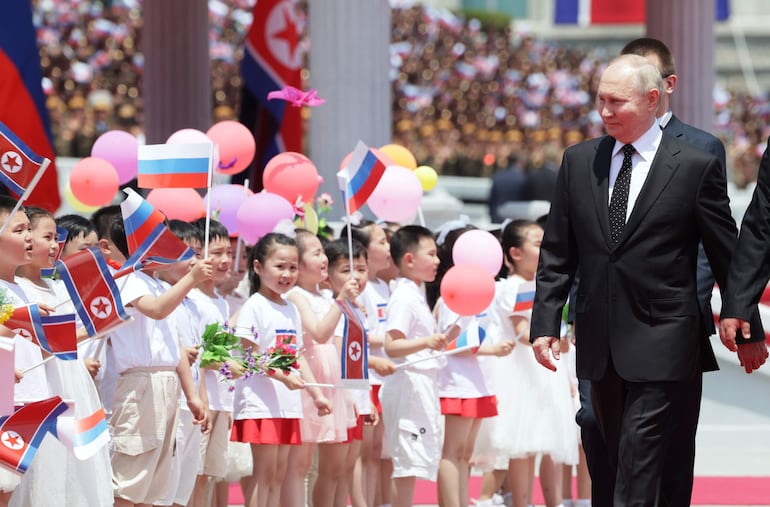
(22, 432)
(21, 167)
(359, 179)
(93, 290)
(84, 436)
(26, 322)
(355, 355)
(149, 240)
(60, 336)
(470, 338)
(525, 297)
(174, 165)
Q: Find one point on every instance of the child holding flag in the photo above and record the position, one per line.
(374, 469)
(266, 409)
(536, 416)
(78, 481)
(320, 316)
(148, 360)
(410, 404)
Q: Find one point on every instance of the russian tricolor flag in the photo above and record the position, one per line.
(359, 179)
(184, 165)
(470, 338)
(596, 12)
(525, 297)
(148, 238)
(90, 434)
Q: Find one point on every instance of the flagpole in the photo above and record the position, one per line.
(348, 224)
(41, 363)
(25, 195)
(239, 241)
(208, 203)
(434, 356)
(420, 215)
(337, 386)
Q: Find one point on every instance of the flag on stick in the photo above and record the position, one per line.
(525, 297)
(61, 238)
(93, 291)
(469, 339)
(355, 356)
(360, 177)
(174, 165)
(149, 240)
(22, 432)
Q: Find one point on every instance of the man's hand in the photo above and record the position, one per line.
(752, 355)
(728, 329)
(544, 347)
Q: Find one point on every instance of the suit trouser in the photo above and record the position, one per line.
(676, 487)
(636, 421)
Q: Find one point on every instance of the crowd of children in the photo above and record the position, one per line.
(181, 432)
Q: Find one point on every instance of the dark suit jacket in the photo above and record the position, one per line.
(507, 185)
(710, 143)
(637, 300)
(750, 268)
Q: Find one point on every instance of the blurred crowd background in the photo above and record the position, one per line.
(469, 97)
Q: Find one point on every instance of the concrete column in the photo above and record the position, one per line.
(349, 66)
(687, 28)
(177, 78)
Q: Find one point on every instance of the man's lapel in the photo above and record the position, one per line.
(600, 185)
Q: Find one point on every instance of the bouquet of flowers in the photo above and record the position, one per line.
(281, 357)
(6, 308)
(218, 342)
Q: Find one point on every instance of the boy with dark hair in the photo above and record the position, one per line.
(411, 411)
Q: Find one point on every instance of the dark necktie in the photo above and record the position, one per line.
(619, 200)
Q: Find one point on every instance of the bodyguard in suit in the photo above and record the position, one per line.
(678, 473)
(749, 273)
(629, 211)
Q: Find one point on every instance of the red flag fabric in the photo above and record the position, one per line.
(355, 356)
(93, 290)
(22, 432)
(272, 60)
(22, 103)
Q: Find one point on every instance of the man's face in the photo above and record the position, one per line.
(626, 111)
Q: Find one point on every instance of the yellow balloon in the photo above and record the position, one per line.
(427, 176)
(311, 218)
(77, 205)
(400, 156)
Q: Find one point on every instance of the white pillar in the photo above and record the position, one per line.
(349, 66)
(687, 28)
(177, 79)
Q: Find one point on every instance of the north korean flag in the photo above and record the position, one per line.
(26, 322)
(354, 354)
(60, 336)
(22, 432)
(22, 104)
(93, 291)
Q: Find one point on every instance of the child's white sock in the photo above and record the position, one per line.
(583, 502)
(568, 502)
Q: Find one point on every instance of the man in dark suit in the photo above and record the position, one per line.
(507, 185)
(749, 273)
(678, 475)
(628, 211)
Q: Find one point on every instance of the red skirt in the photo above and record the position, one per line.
(375, 395)
(357, 431)
(477, 408)
(266, 431)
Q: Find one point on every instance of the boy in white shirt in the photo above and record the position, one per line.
(410, 402)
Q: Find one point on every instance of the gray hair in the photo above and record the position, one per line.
(646, 76)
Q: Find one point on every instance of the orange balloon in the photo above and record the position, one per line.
(400, 155)
(291, 175)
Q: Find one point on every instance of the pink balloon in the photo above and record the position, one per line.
(180, 203)
(93, 181)
(236, 146)
(478, 247)
(397, 196)
(291, 175)
(467, 289)
(260, 213)
(119, 148)
(225, 201)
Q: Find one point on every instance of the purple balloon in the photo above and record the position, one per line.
(119, 148)
(260, 213)
(225, 201)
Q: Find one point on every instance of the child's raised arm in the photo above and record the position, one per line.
(160, 307)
